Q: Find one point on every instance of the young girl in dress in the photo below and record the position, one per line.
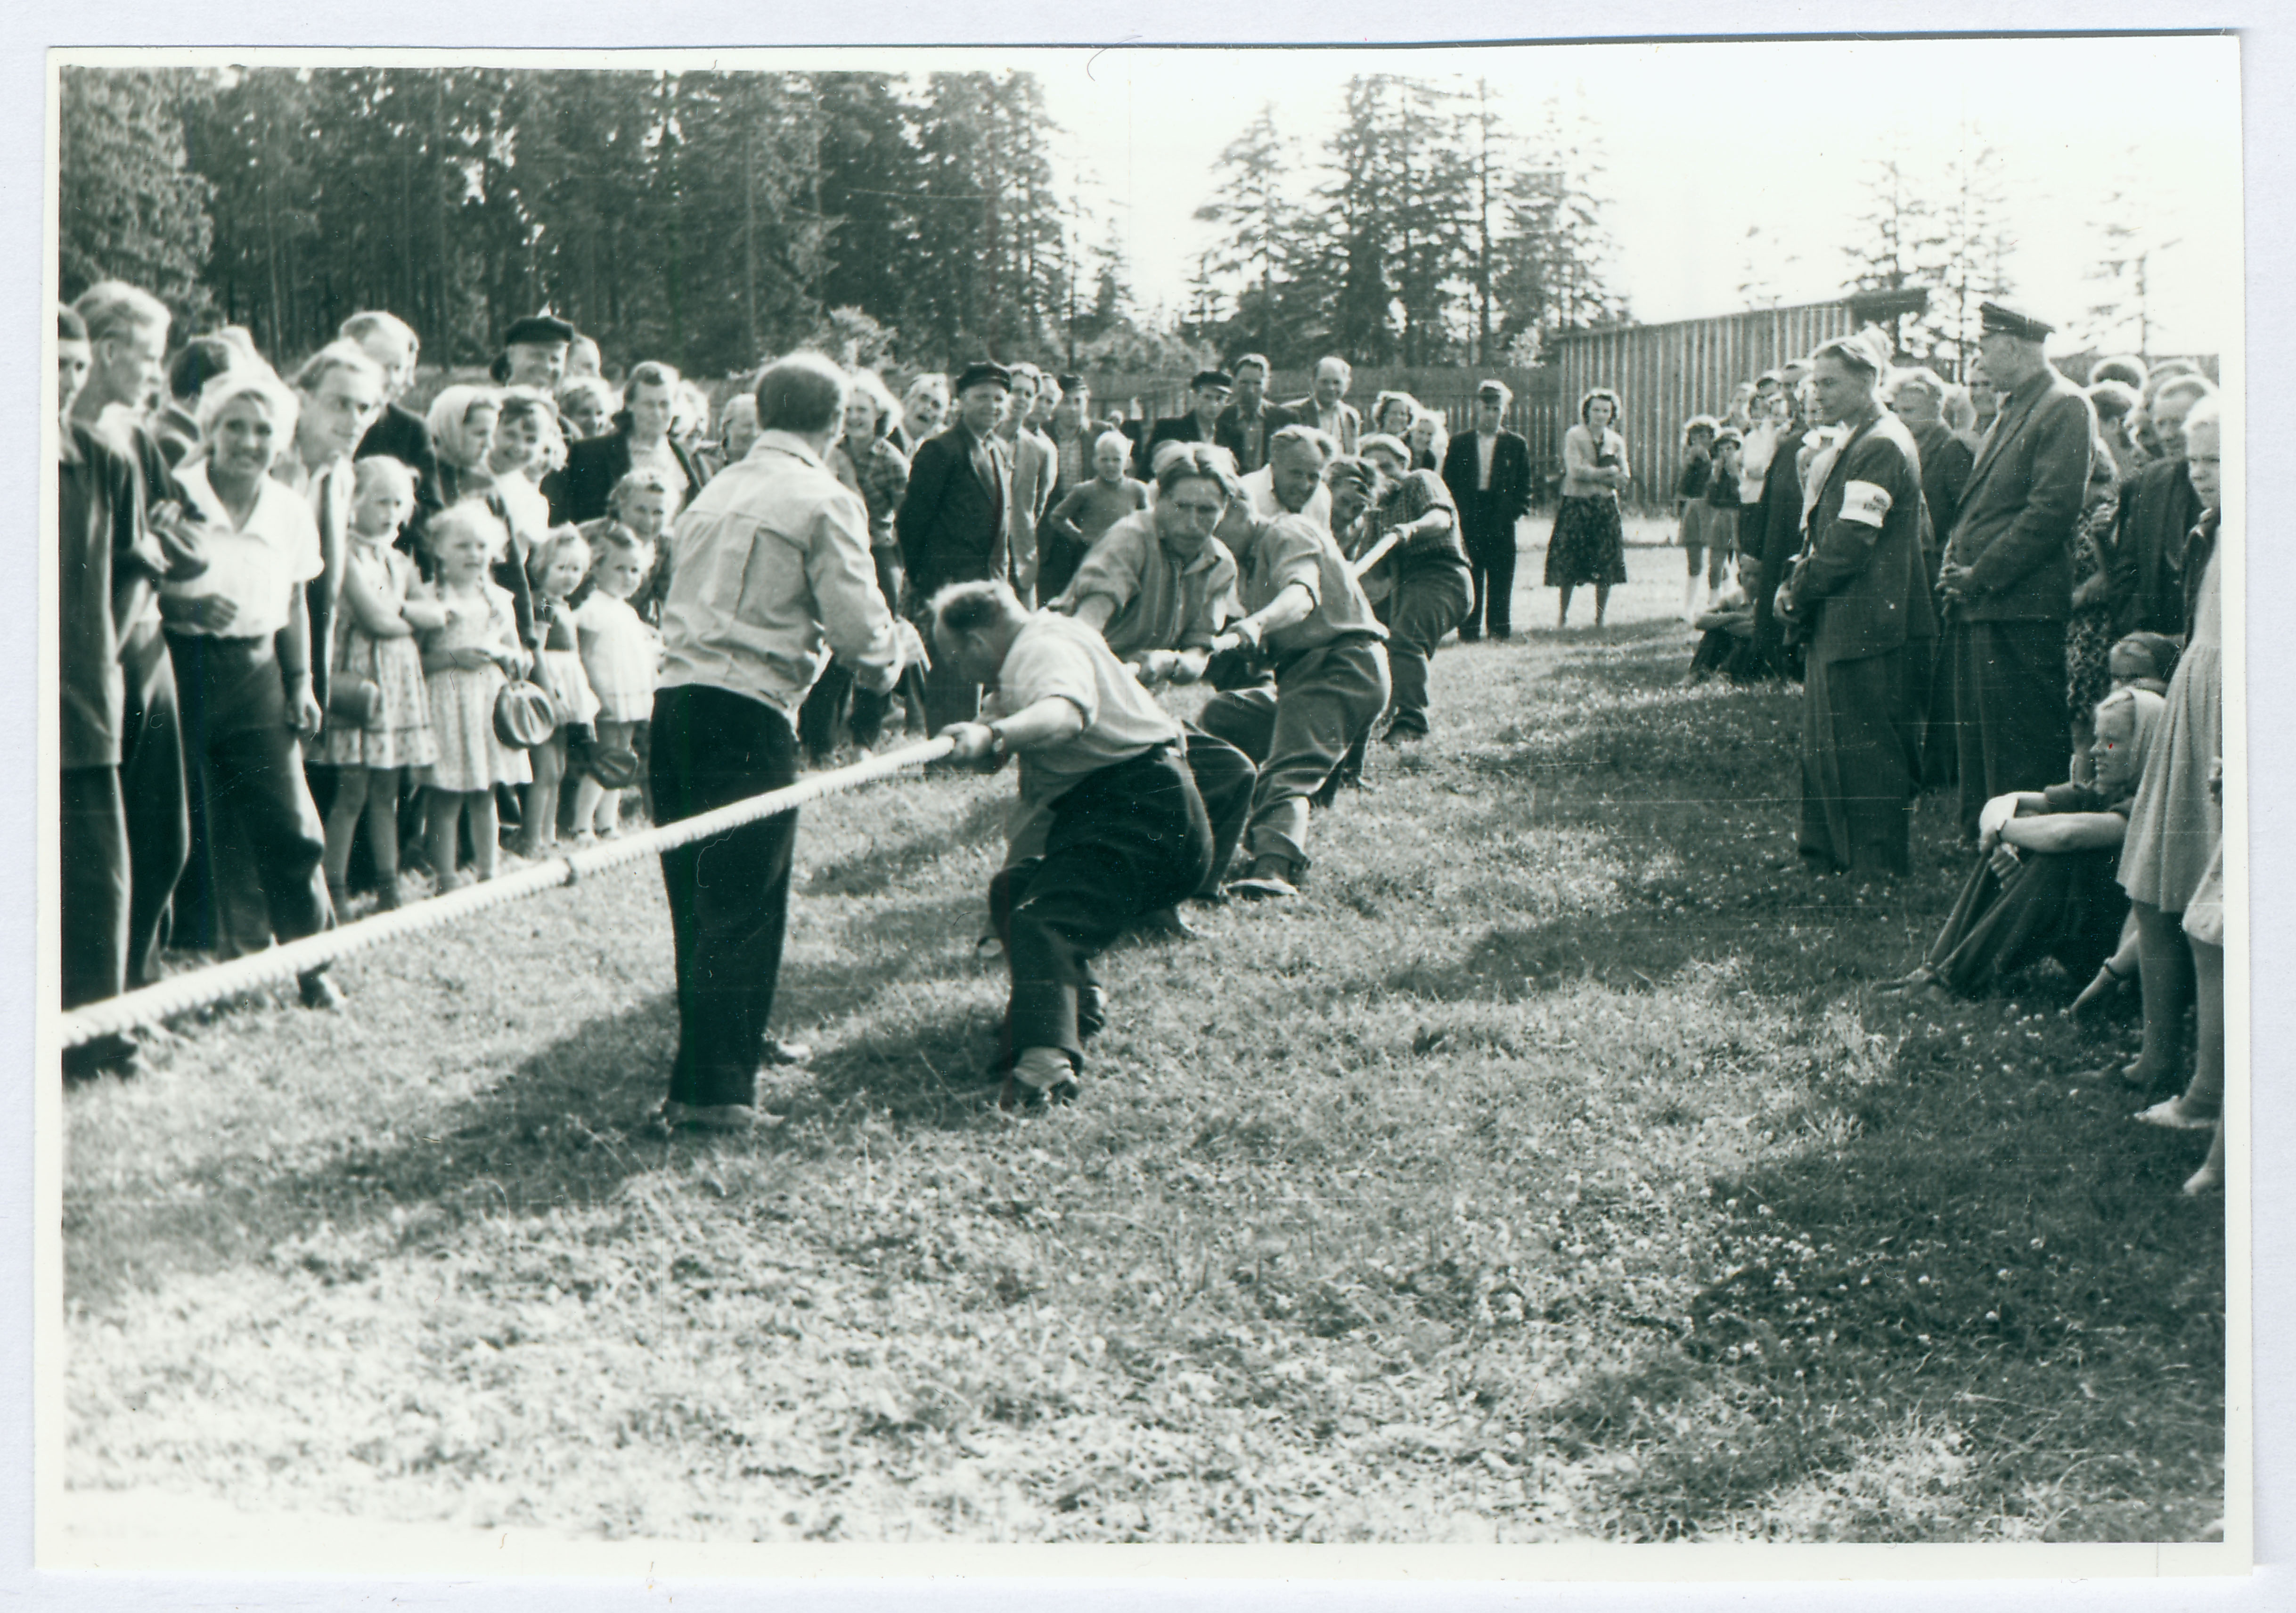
(620, 654)
(382, 610)
(466, 659)
(1723, 503)
(557, 566)
(1690, 503)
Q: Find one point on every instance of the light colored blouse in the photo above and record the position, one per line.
(1579, 452)
(257, 566)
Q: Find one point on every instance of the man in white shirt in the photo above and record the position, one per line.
(1292, 482)
(1125, 835)
(773, 577)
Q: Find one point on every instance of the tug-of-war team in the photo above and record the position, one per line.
(549, 605)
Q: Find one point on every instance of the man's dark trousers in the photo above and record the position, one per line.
(729, 894)
(157, 794)
(2010, 729)
(92, 847)
(1125, 841)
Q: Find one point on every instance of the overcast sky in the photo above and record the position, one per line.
(1705, 140)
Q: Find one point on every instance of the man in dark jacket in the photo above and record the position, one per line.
(1769, 533)
(534, 353)
(2143, 558)
(400, 433)
(1488, 473)
(582, 488)
(1861, 592)
(1946, 459)
(1245, 426)
(2006, 579)
(1207, 396)
(952, 520)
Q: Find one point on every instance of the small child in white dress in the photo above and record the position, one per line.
(620, 653)
(466, 662)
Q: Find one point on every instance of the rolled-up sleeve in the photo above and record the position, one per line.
(1291, 554)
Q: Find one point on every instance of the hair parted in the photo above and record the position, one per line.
(1197, 462)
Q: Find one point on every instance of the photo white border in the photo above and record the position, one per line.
(1384, 1576)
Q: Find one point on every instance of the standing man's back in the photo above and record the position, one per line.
(774, 576)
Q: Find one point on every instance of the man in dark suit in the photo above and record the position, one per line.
(1861, 592)
(1488, 473)
(952, 522)
(2158, 508)
(2006, 579)
(1769, 534)
(1246, 424)
(1918, 401)
(400, 433)
(1208, 395)
(1326, 408)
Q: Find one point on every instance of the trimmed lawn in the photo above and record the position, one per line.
(1548, 1172)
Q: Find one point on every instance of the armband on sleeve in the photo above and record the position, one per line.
(1865, 503)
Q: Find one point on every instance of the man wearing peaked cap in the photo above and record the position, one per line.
(2005, 580)
(534, 351)
(2007, 320)
(952, 520)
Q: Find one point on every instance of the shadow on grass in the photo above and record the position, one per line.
(1932, 1314)
(886, 867)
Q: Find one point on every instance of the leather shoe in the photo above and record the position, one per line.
(319, 991)
(1168, 923)
(785, 1053)
(1270, 879)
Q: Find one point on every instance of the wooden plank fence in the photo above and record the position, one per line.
(1664, 373)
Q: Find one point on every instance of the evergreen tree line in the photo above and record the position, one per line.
(1427, 230)
(705, 219)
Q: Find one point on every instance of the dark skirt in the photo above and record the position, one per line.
(2064, 905)
(1589, 543)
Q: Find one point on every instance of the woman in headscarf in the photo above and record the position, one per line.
(2044, 886)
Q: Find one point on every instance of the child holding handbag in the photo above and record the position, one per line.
(378, 707)
(556, 566)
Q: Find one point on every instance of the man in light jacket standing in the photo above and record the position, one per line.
(773, 577)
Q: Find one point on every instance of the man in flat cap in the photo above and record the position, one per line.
(952, 522)
(2005, 581)
(1208, 395)
(534, 352)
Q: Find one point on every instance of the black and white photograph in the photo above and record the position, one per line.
(797, 803)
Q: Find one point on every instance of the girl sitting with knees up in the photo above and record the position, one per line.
(383, 608)
(557, 565)
(465, 663)
(621, 656)
(2044, 884)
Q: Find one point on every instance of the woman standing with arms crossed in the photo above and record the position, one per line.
(1589, 543)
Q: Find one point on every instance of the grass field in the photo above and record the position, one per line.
(1547, 1172)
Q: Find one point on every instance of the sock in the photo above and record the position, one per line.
(1044, 1068)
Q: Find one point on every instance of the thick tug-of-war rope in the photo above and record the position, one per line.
(182, 993)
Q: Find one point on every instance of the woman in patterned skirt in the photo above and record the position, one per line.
(1588, 543)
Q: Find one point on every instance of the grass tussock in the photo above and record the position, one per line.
(1547, 1173)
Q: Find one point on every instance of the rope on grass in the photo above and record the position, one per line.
(181, 993)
